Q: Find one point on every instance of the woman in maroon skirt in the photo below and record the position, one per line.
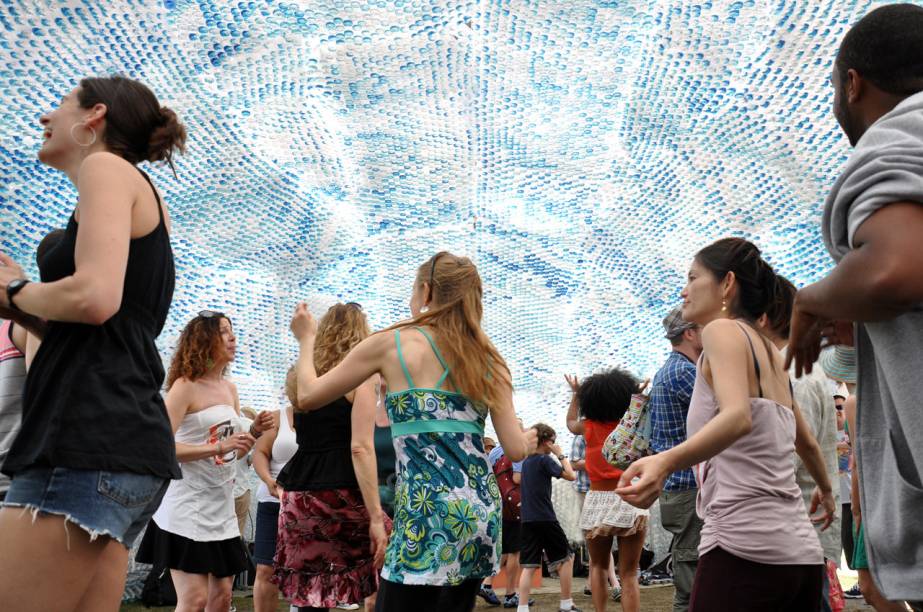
(324, 553)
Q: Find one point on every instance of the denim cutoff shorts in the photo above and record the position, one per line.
(114, 504)
(266, 532)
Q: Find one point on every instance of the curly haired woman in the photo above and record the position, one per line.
(195, 531)
(324, 551)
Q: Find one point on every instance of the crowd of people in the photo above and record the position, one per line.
(378, 484)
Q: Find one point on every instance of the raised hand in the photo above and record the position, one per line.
(303, 325)
(573, 381)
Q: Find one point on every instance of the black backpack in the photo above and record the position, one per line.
(158, 588)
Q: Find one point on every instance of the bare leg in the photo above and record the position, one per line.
(566, 575)
(369, 603)
(513, 572)
(108, 583)
(613, 578)
(629, 558)
(45, 564)
(600, 550)
(219, 594)
(191, 591)
(525, 585)
(265, 593)
(873, 596)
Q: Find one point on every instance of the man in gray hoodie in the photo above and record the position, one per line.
(873, 229)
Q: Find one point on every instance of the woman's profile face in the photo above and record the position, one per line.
(228, 339)
(57, 141)
(701, 295)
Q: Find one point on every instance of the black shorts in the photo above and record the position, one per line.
(512, 538)
(544, 536)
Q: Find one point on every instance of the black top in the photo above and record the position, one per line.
(92, 397)
(323, 459)
(535, 488)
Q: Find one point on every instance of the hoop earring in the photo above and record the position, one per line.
(92, 131)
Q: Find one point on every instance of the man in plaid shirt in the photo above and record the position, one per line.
(671, 391)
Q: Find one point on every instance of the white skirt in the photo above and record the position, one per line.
(606, 514)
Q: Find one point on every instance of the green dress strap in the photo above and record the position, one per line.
(432, 344)
(400, 357)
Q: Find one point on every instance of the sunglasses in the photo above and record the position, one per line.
(355, 305)
(212, 314)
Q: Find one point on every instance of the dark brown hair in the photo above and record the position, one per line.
(198, 346)
(756, 280)
(779, 313)
(138, 128)
(545, 432)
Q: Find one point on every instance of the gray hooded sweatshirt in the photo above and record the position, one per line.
(887, 167)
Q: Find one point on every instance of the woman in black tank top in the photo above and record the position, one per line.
(95, 448)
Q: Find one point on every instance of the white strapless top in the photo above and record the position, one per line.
(201, 505)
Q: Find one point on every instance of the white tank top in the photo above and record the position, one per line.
(282, 450)
(201, 505)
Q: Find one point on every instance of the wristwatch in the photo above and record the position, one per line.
(14, 287)
(562, 457)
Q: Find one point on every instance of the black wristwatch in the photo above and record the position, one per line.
(562, 457)
(14, 287)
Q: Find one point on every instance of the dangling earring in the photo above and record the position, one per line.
(92, 131)
(724, 305)
(424, 308)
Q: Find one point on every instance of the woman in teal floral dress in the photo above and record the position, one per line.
(445, 376)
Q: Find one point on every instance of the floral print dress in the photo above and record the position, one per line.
(447, 513)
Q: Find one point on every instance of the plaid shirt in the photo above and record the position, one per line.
(671, 392)
(578, 452)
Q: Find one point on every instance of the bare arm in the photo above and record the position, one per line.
(365, 466)
(107, 191)
(34, 325)
(567, 472)
(728, 357)
(879, 279)
(262, 452)
(178, 402)
(574, 423)
(516, 443)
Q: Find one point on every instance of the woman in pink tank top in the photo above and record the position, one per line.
(743, 427)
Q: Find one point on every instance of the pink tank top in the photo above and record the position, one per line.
(748, 497)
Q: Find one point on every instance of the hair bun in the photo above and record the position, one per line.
(167, 137)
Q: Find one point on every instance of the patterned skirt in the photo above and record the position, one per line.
(323, 551)
(606, 514)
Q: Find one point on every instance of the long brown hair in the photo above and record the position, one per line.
(199, 345)
(478, 369)
(338, 331)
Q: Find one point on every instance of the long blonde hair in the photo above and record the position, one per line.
(477, 368)
(338, 331)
